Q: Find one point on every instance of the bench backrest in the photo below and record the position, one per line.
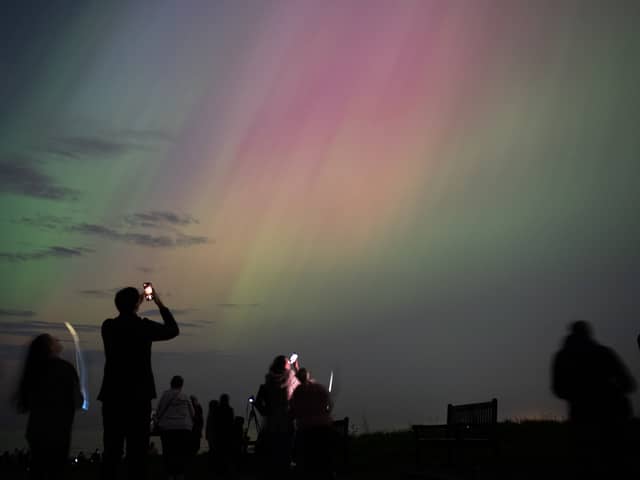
(473, 414)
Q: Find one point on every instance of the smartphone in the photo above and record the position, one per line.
(148, 291)
(293, 358)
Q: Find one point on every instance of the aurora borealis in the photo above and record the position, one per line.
(418, 195)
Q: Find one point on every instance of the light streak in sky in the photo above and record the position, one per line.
(82, 371)
(331, 381)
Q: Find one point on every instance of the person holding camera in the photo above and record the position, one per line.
(128, 385)
(272, 402)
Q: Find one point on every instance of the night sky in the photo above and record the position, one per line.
(418, 195)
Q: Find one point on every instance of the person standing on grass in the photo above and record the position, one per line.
(175, 422)
(272, 402)
(311, 407)
(128, 385)
(49, 392)
(198, 423)
(596, 385)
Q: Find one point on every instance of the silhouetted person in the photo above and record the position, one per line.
(210, 429)
(95, 457)
(81, 458)
(272, 402)
(238, 441)
(311, 407)
(198, 424)
(128, 385)
(49, 392)
(223, 435)
(175, 421)
(595, 383)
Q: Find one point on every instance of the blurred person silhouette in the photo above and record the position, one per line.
(596, 384)
(128, 385)
(223, 435)
(209, 430)
(175, 422)
(95, 456)
(238, 446)
(272, 402)
(49, 391)
(311, 407)
(198, 423)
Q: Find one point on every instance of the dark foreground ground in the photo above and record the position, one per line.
(527, 450)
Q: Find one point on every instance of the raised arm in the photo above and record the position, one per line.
(166, 330)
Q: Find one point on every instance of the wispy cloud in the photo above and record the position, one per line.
(36, 327)
(146, 136)
(142, 239)
(158, 219)
(48, 252)
(105, 144)
(10, 312)
(44, 222)
(83, 147)
(18, 176)
(238, 305)
(175, 311)
(99, 293)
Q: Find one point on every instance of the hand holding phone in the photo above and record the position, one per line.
(148, 291)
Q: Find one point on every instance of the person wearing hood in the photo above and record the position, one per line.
(596, 384)
(272, 402)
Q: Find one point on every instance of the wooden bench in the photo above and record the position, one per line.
(468, 425)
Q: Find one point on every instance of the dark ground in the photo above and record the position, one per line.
(527, 450)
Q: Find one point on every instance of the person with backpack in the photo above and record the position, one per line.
(175, 422)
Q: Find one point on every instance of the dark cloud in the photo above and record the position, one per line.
(19, 177)
(82, 147)
(106, 293)
(146, 269)
(9, 312)
(49, 252)
(36, 327)
(45, 222)
(158, 219)
(108, 144)
(142, 239)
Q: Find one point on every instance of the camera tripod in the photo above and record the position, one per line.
(252, 417)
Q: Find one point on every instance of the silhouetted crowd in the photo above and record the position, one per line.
(294, 426)
(49, 391)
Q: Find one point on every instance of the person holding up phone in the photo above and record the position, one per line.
(272, 402)
(128, 385)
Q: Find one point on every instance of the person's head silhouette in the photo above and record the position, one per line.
(279, 364)
(41, 349)
(303, 375)
(581, 329)
(128, 300)
(177, 382)
(224, 400)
